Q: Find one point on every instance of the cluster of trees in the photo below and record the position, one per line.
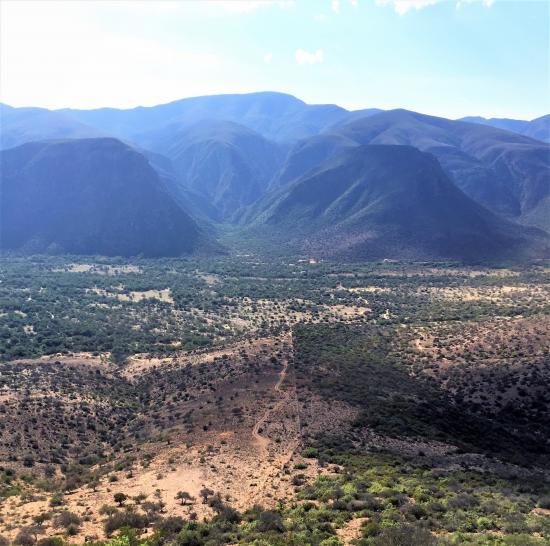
(49, 305)
(369, 367)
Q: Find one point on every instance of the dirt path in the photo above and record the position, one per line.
(273, 456)
(260, 440)
(245, 460)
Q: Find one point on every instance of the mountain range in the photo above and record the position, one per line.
(506, 172)
(170, 179)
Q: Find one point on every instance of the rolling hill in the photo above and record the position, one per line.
(90, 196)
(388, 201)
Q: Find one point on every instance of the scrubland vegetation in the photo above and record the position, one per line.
(273, 402)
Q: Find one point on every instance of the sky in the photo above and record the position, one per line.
(444, 57)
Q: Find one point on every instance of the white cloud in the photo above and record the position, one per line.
(268, 57)
(305, 57)
(247, 6)
(403, 6)
(354, 3)
(486, 3)
(335, 5)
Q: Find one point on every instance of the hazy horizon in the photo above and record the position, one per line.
(450, 58)
(256, 92)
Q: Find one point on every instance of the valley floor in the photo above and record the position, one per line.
(353, 403)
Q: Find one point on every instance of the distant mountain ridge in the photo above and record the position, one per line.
(538, 128)
(21, 125)
(276, 116)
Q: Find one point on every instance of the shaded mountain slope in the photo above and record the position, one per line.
(308, 153)
(389, 201)
(90, 196)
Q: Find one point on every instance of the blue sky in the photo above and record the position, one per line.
(443, 57)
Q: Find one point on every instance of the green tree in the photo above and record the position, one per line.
(184, 496)
(120, 498)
